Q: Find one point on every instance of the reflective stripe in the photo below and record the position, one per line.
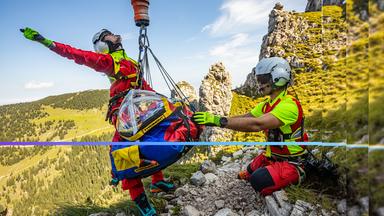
(285, 150)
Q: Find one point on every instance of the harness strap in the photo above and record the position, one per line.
(112, 101)
(186, 124)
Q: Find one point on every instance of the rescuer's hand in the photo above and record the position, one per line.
(206, 118)
(36, 36)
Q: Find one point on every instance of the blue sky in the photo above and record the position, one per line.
(187, 36)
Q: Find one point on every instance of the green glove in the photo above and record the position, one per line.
(36, 36)
(206, 118)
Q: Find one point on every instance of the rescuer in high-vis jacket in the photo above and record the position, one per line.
(280, 116)
(111, 59)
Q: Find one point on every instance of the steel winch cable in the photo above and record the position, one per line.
(144, 68)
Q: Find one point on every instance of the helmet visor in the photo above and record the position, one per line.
(264, 79)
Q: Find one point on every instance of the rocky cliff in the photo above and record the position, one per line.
(216, 97)
(315, 5)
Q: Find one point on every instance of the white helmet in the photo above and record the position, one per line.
(277, 67)
(99, 45)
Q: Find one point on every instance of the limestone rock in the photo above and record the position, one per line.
(313, 5)
(342, 206)
(216, 97)
(188, 90)
(278, 6)
(237, 154)
(101, 214)
(208, 166)
(198, 178)
(380, 211)
(210, 178)
(364, 203)
(225, 212)
(219, 204)
(190, 211)
(301, 208)
(277, 204)
(226, 192)
(181, 191)
(253, 213)
(354, 211)
(231, 167)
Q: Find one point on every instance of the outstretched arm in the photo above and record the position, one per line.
(99, 62)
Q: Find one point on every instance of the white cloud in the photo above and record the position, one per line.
(239, 53)
(229, 47)
(243, 15)
(38, 85)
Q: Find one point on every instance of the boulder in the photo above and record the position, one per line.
(210, 178)
(225, 212)
(342, 207)
(219, 204)
(237, 154)
(190, 211)
(181, 191)
(198, 178)
(364, 203)
(208, 166)
(301, 208)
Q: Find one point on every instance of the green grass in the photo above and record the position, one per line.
(87, 122)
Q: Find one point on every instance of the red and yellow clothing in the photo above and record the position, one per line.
(288, 110)
(106, 64)
(274, 170)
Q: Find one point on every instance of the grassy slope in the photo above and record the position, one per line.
(56, 118)
(88, 122)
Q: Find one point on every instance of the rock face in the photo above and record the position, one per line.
(315, 5)
(216, 97)
(188, 90)
(301, 39)
(284, 30)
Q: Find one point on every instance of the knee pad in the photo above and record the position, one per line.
(260, 179)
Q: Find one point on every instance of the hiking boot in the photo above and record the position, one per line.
(244, 174)
(144, 206)
(162, 186)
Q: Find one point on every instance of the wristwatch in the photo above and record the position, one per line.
(223, 122)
